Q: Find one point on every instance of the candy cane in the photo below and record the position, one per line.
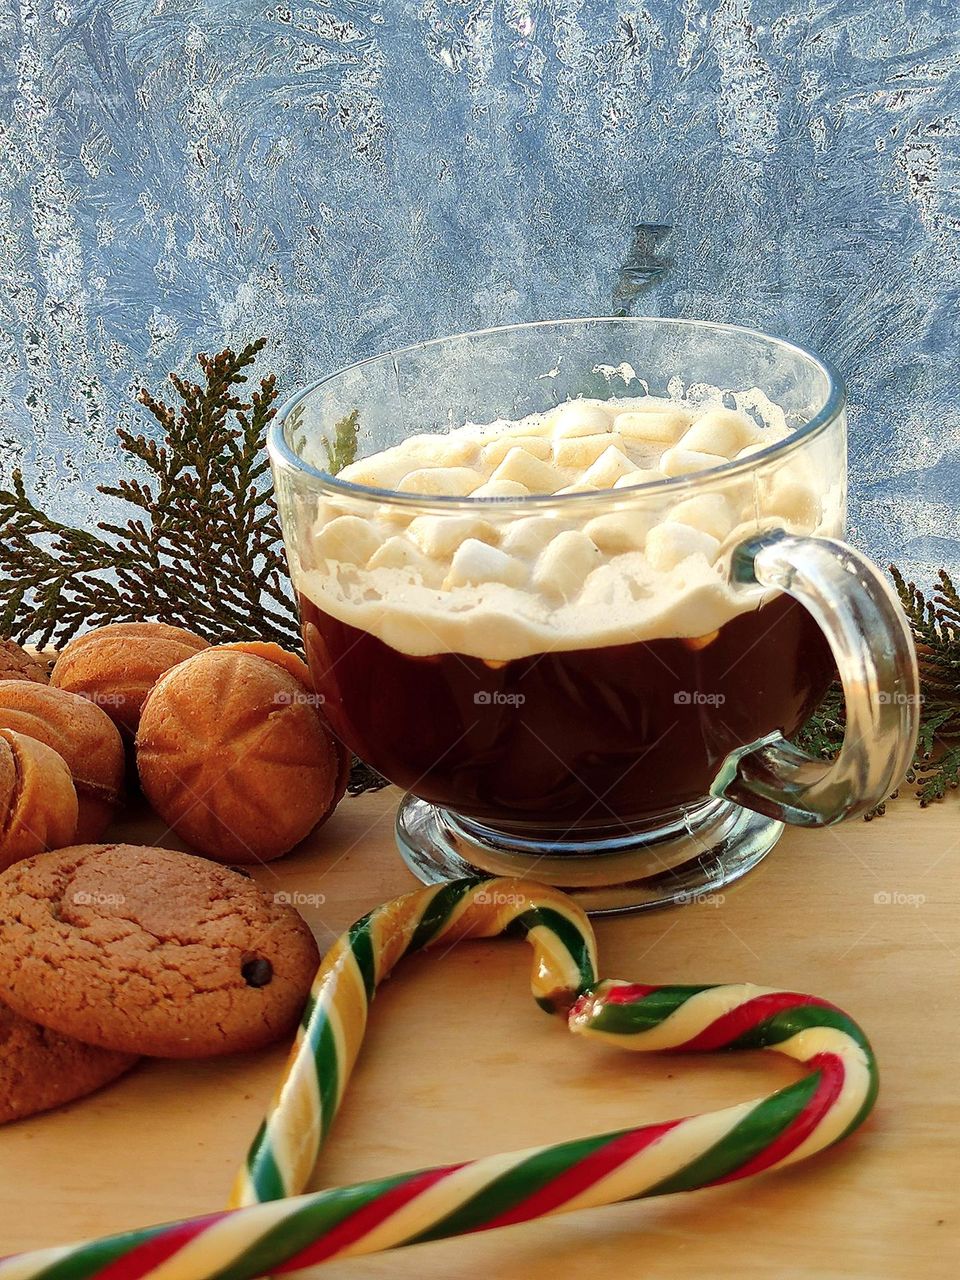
(285, 1150)
(282, 1236)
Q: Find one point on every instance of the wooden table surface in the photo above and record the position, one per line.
(459, 1062)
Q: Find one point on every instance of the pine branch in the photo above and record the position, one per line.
(935, 623)
(343, 451)
(204, 550)
(822, 735)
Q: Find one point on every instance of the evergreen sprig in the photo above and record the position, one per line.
(203, 551)
(203, 548)
(343, 450)
(935, 623)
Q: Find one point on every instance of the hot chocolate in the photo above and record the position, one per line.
(583, 738)
(555, 666)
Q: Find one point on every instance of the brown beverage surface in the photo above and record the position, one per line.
(588, 738)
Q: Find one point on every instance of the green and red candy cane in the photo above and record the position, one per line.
(276, 1231)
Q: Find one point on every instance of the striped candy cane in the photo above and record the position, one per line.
(285, 1150)
(282, 1236)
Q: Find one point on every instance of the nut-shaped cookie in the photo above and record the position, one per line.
(273, 653)
(299, 669)
(117, 666)
(40, 1069)
(17, 664)
(143, 950)
(83, 735)
(38, 801)
(234, 757)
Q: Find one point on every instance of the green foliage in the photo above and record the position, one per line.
(823, 732)
(364, 778)
(935, 623)
(343, 451)
(202, 548)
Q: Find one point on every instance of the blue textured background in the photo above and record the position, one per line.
(346, 175)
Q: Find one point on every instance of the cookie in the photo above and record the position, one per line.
(40, 1069)
(17, 664)
(116, 666)
(143, 950)
(300, 671)
(270, 652)
(234, 756)
(38, 801)
(83, 735)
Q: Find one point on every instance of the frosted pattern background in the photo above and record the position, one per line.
(350, 175)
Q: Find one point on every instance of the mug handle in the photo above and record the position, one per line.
(873, 648)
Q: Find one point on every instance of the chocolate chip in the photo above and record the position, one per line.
(256, 971)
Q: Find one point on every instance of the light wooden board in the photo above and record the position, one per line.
(459, 1062)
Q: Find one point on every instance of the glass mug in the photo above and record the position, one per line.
(629, 748)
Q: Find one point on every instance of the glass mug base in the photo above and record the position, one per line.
(684, 855)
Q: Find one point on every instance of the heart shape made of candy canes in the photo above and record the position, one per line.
(274, 1230)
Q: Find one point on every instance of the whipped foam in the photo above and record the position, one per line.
(494, 584)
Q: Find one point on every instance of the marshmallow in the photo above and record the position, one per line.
(722, 431)
(580, 418)
(620, 531)
(324, 513)
(385, 470)
(709, 512)
(608, 468)
(536, 424)
(455, 449)
(474, 563)
(643, 475)
(684, 462)
(527, 537)
(348, 539)
(602, 587)
(498, 488)
(454, 482)
(670, 543)
(391, 517)
(750, 449)
(564, 565)
(441, 535)
(578, 452)
(380, 472)
(524, 468)
(796, 503)
(495, 452)
(400, 553)
(665, 426)
(499, 582)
